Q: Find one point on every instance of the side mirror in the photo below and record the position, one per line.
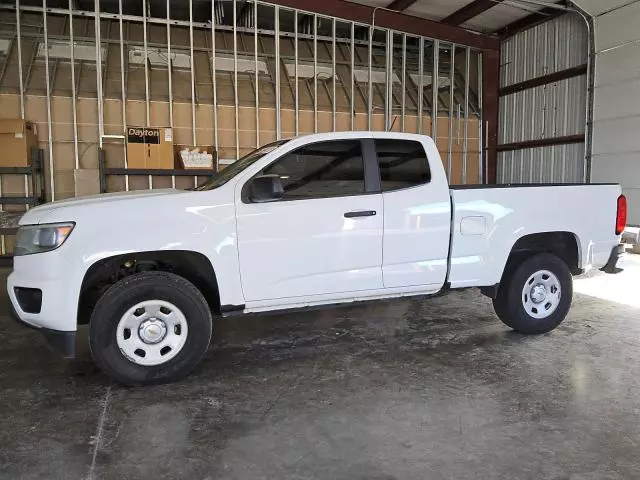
(266, 188)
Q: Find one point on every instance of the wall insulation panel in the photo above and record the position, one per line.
(232, 87)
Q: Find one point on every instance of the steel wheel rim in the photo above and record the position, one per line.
(152, 332)
(541, 294)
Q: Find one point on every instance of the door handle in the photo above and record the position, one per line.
(360, 213)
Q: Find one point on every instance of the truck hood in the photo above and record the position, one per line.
(43, 212)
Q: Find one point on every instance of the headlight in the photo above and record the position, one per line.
(41, 238)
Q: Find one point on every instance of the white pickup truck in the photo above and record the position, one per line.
(314, 220)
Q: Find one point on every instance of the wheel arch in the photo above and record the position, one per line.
(563, 244)
(191, 265)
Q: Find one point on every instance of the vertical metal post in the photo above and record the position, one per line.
(48, 83)
(554, 112)
(19, 42)
(21, 82)
(315, 73)
(123, 91)
(352, 105)
(388, 104)
(333, 74)
(170, 79)
(421, 86)
(435, 86)
(235, 75)
(213, 82)
(404, 80)
(481, 128)
(452, 62)
(370, 93)
(534, 74)
(458, 124)
(590, 87)
(99, 71)
(465, 144)
(170, 64)
(255, 59)
(146, 62)
(193, 83)
(73, 88)
(565, 117)
(146, 75)
(523, 130)
(277, 62)
(296, 105)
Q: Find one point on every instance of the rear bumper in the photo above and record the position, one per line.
(612, 264)
(60, 342)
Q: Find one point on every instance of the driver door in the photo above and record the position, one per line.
(324, 236)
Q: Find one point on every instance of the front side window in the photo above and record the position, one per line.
(323, 169)
(403, 163)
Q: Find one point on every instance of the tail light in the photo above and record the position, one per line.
(621, 214)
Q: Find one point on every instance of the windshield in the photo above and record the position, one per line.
(238, 166)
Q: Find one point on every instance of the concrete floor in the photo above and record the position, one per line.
(408, 389)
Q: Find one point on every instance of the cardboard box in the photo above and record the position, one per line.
(150, 148)
(17, 137)
(210, 149)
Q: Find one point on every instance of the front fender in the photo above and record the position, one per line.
(195, 221)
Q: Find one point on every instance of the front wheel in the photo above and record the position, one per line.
(151, 327)
(535, 297)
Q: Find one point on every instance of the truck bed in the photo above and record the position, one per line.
(488, 220)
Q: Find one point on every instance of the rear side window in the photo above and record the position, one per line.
(323, 169)
(403, 163)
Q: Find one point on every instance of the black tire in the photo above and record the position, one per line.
(509, 306)
(126, 293)
(500, 307)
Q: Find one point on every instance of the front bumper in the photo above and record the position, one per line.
(617, 252)
(60, 342)
(44, 289)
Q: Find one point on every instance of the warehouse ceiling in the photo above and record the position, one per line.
(485, 16)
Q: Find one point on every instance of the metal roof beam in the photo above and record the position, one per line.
(547, 13)
(394, 20)
(470, 11)
(400, 5)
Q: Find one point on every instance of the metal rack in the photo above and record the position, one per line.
(105, 171)
(34, 176)
(36, 173)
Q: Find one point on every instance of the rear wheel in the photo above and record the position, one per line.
(151, 327)
(535, 296)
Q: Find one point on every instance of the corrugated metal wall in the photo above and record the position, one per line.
(547, 111)
(546, 48)
(554, 164)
